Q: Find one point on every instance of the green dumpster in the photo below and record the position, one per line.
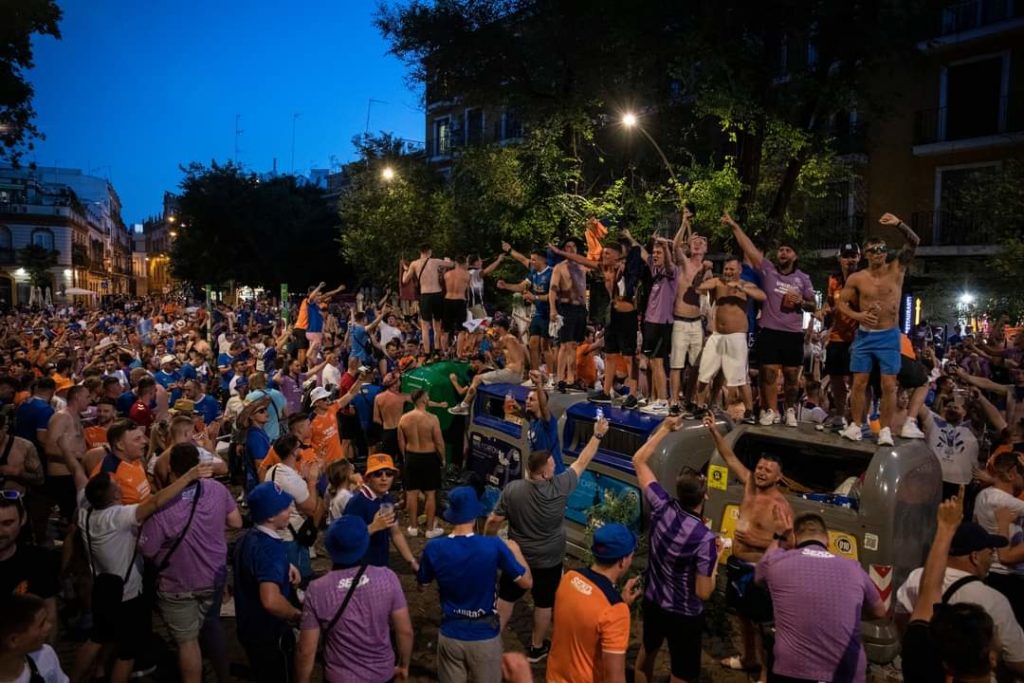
(434, 378)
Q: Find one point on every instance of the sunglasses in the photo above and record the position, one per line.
(881, 249)
(381, 473)
(10, 494)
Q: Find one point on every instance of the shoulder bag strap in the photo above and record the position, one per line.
(167, 558)
(92, 555)
(348, 597)
(957, 585)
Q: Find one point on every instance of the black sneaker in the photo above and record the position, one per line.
(600, 397)
(748, 418)
(562, 386)
(674, 409)
(535, 654)
(629, 402)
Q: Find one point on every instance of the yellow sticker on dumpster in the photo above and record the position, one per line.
(718, 477)
(842, 544)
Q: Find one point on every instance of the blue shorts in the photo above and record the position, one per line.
(882, 346)
(539, 326)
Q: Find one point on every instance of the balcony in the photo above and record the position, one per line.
(949, 228)
(829, 231)
(79, 255)
(973, 15)
(977, 121)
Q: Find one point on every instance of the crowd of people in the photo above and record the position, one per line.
(164, 463)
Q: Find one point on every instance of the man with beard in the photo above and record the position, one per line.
(841, 330)
(726, 349)
(1014, 394)
(953, 442)
(756, 528)
(877, 292)
(96, 433)
(780, 344)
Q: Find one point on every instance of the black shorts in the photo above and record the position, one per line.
(349, 427)
(545, 585)
(431, 306)
(389, 443)
(912, 375)
(574, 323)
(837, 359)
(422, 472)
(775, 347)
(683, 634)
(61, 490)
(299, 338)
(539, 326)
(128, 632)
(746, 598)
(620, 335)
(453, 315)
(657, 340)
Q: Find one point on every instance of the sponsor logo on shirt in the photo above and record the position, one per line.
(581, 585)
(345, 584)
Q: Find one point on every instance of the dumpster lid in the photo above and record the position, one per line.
(519, 392)
(632, 420)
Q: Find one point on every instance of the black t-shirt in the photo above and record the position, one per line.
(921, 663)
(30, 570)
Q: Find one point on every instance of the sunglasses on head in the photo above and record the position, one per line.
(381, 473)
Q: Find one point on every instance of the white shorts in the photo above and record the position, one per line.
(687, 340)
(728, 353)
(502, 376)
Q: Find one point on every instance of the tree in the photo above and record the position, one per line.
(233, 226)
(38, 261)
(21, 20)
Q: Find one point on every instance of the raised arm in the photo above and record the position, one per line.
(752, 253)
(929, 592)
(507, 248)
(520, 287)
(737, 467)
(576, 258)
(379, 319)
(644, 474)
(542, 396)
(590, 450)
(911, 240)
(981, 382)
(633, 243)
(487, 270)
(681, 241)
(407, 276)
(163, 496)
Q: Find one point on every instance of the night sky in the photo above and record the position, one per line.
(135, 89)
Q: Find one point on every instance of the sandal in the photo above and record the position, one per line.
(735, 663)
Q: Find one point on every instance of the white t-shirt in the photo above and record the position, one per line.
(387, 333)
(1007, 631)
(955, 446)
(985, 506)
(47, 664)
(292, 483)
(331, 374)
(338, 503)
(115, 533)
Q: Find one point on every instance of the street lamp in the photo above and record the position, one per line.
(629, 120)
(388, 174)
(171, 219)
(966, 299)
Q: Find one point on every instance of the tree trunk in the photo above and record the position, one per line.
(783, 195)
(750, 146)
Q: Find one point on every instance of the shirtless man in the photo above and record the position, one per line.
(687, 330)
(426, 271)
(420, 441)
(567, 299)
(388, 407)
(534, 288)
(726, 348)
(456, 284)
(762, 506)
(20, 466)
(1014, 394)
(512, 373)
(876, 292)
(65, 438)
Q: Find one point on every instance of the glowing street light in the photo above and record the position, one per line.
(388, 173)
(966, 299)
(171, 219)
(629, 120)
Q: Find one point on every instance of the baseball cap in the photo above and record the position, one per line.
(463, 505)
(849, 249)
(168, 359)
(379, 461)
(612, 542)
(318, 394)
(347, 540)
(971, 537)
(266, 500)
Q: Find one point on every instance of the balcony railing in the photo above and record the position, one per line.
(954, 228)
(79, 256)
(975, 14)
(831, 231)
(946, 124)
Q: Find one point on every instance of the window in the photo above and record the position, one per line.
(513, 125)
(43, 238)
(974, 98)
(959, 216)
(474, 126)
(442, 137)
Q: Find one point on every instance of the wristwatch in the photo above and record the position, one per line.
(599, 436)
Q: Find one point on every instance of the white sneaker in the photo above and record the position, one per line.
(767, 418)
(852, 432)
(412, 531)
(435, 532)
(460, 409)
(885, 437)
(911, 430)
(791, 417)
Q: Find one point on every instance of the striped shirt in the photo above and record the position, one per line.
(681, 548)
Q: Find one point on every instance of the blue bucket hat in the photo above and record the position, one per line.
(463, 506)
(266, 500)
(347, 540)
(612, 542)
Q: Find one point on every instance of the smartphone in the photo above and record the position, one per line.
(363, 369)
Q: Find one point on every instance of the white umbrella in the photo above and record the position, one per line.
(78, 291)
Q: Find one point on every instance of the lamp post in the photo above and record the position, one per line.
(630, 121)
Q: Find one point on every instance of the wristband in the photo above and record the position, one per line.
(599, 436)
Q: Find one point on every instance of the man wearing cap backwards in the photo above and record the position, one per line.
(780, 343)
(876, 291)
(591, 616)
(535, 510)
(367, 503)
(465, 566)
(970, 556)
(841, 331)
(358, 644)
(263, 586)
